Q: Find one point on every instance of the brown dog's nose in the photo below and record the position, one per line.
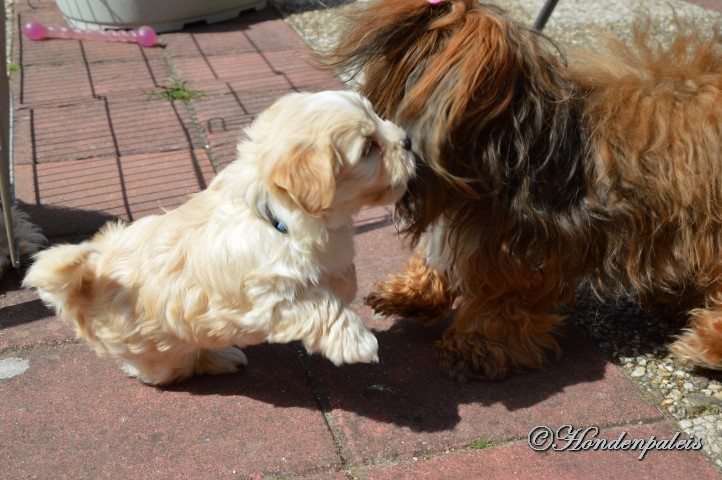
(406, 143)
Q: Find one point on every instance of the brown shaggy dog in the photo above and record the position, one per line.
(537, 176)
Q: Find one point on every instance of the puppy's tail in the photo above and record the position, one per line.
(63, 275)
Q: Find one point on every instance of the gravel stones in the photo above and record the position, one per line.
(636, 342)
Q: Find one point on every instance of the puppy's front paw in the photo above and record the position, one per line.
(361, 348)
(349, 341)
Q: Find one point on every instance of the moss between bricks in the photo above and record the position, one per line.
(177, 91)
(481, 444)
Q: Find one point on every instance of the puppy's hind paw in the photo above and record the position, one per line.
(177, 366)
(217, 362)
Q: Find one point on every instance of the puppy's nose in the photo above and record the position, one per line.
(406, 143)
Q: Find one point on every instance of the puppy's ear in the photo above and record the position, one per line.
(308, 175)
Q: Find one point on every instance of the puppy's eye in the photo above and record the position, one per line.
(368, 146)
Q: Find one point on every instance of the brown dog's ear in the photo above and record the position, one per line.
(308, 176)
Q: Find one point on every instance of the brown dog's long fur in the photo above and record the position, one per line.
(537, 176)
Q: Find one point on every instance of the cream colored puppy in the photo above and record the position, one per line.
(265, 254)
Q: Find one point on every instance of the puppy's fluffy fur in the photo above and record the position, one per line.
(264, 254)
(538, 176)
(28, 236)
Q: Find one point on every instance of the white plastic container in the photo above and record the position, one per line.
(162, 15)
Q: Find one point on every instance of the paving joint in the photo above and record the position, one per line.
(193, 116)
(49, 345)
(319, 391)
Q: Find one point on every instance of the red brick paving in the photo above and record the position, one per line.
(519, 461)
(150, 126)
(92, 143)
(405, 406)
(75, 415)
(73, 131)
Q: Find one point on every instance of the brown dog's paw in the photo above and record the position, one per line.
(420, 292)
(701, 344)
(387, 302)
(470, 358)
(393, 298)
(379, 302)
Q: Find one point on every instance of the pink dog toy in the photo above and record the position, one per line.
(144, 36)
(435, 2)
